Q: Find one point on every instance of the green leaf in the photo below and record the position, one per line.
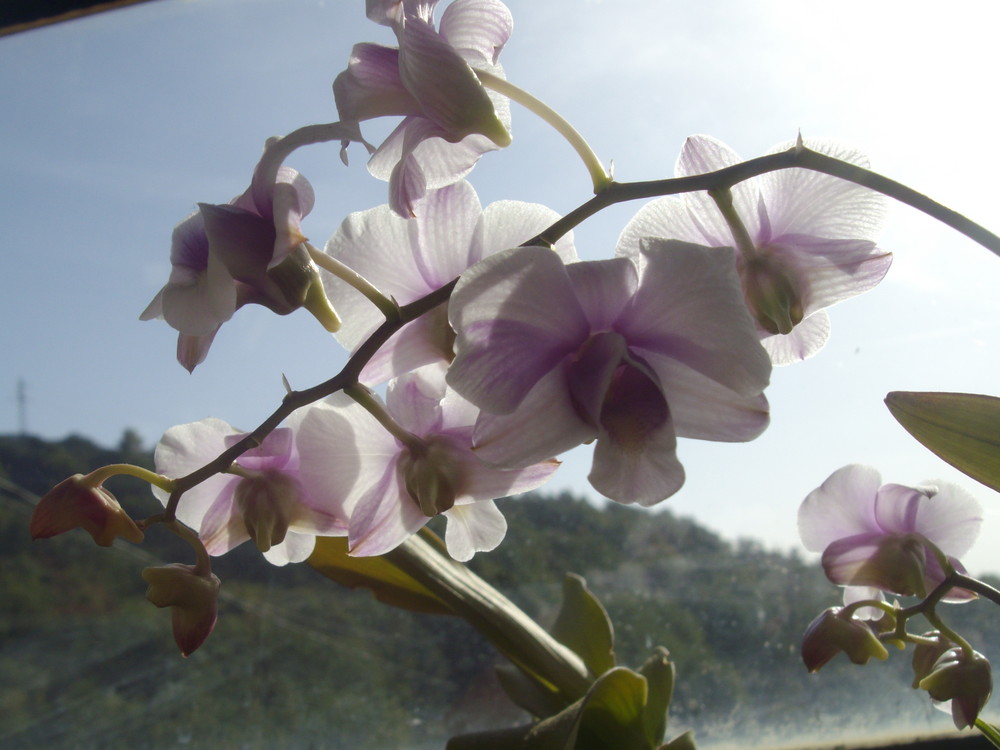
(387, 583)
(659, 673)
(961, 428)
(681, 742)
(584, 627)
(613, 711)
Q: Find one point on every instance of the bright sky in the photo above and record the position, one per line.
(114, 126)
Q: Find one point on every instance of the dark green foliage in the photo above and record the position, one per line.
(299, 662)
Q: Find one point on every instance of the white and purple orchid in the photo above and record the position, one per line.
(890, 537)
(389, 488)
(449, 118)
(558, 355)
(260, 498)
(812, 240)
(247, 251)
(408, 259)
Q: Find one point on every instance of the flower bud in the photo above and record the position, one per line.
(831, 633)
(962, 680)
(925, 655)
(75, 502)
(193, 598)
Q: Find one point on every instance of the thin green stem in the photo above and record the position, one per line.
(989, 731)
(203, 563)
(386, 305)
(598, 174)
(723, 198)
(99, 476)
(363, 396)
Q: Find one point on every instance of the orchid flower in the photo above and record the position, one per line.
(558, 355)
(261, 498)
(449, 118)
(248, 251)
(891, 537)
(389, 485)
(408, 259)
(806, 241)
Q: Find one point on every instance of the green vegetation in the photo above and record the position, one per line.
(299, 662)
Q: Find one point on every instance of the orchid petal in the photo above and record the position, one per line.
(478, 26)
(702, 408)
(807, 338)
(831, 271)
(644, 474)
(371, 85)
(802, 201)
(508, 224)
(447, 89)
(689, 306)
(666, 218)
(950, 518)
(385, 516)
(702, 154)
(545, 425)
(516, 309)
(296, 548)
(843, 506)
(478, 527)
(604, 288)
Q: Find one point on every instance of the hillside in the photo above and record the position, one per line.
(298, 662)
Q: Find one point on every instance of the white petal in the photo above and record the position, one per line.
(843, 506)
(545, 425)
(477, 527)
(802, 201)
(806, 338)
(516, 316)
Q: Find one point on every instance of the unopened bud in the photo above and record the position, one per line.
(831, 633)
(961, 681)
(76, 503)
(193, 598)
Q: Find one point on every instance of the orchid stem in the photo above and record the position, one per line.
(348, 275)
(99, 476)
(723, 198)
(598, 174)
(365, 398)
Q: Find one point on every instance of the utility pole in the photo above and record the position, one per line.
(22, 407)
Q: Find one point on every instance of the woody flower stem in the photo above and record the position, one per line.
(514, 634)
(612, 193)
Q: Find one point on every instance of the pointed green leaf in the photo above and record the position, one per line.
(613, 713)
(387, 583)
(584, 627)
(659, 673)
(961, 428)
(682, 742)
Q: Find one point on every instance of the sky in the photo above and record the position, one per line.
(114, 126)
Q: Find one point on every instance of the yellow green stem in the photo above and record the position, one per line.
(598, 174)
(99, 476)
(363, 396)
(386, 305)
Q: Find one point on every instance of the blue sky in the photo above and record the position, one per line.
(115, 125)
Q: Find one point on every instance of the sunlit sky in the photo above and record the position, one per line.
(115, 125)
